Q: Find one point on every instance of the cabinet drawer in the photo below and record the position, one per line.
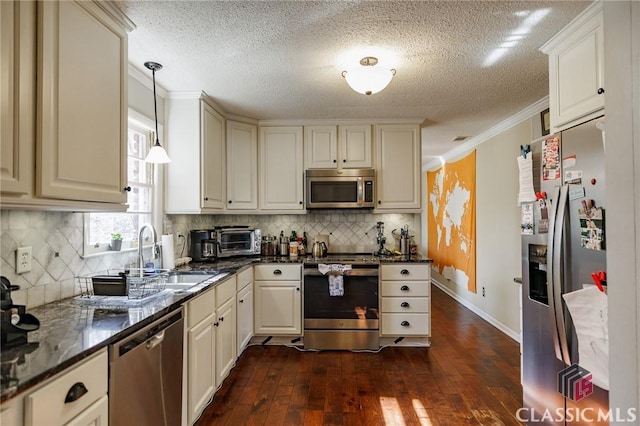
(46, 405)
(200, 308)
(244, 278)
(405, 288)
(277, 272)
(405, 272)
(416, 305)
(404, 324)
(225, 291)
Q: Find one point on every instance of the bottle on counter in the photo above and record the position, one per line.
(302, 250)
(284, 244)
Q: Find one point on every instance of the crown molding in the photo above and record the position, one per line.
(146, 80)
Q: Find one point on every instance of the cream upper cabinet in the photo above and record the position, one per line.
(82, 103)
(330, 147)
(576, 70)
(398, 159)
(281, 169)
(242, 166)
(195, 178)
(213, 165)
(75, 84)
(18, 94)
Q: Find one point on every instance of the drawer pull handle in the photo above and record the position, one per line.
(277, 272)
(404, 272)
(404, 304)
(405, 323)
(404, 288)
(76, 392)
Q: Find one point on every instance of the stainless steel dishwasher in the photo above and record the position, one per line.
(145, 375)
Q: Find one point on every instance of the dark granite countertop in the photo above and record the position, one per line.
(75, 328)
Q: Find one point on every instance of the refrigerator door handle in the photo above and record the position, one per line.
(551, 264)
(556, 290)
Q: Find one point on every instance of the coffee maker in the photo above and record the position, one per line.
(203, 245)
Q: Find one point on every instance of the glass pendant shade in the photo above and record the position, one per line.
(368, 78)
(157, 155)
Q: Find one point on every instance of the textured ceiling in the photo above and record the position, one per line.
(462, 66)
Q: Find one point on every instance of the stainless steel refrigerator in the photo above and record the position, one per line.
(559, 257)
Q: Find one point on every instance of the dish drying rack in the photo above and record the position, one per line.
(120, 282)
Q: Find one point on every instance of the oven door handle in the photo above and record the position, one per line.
(364, 272)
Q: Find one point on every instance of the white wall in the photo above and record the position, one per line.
(498, 258)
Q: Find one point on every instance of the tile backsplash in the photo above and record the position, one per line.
(56, 239)
(349, 231)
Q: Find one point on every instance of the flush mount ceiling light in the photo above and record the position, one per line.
(156, 154)
(368, 79)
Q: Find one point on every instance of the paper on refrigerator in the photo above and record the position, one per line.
(588, 309)
(526, 193)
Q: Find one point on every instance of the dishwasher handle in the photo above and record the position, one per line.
(151, 335)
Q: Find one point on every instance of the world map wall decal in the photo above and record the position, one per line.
(451, 220)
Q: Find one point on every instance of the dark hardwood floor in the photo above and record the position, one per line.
(469, 375)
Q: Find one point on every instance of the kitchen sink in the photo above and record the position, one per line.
(183, 280)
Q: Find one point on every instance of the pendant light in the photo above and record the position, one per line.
(368, 79)
(156, 154)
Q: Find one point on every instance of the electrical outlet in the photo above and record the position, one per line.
(483, 292)
(23, 260)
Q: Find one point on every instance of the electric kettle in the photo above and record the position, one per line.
(319, 249)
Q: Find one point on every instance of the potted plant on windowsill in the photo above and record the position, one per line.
(116, 241)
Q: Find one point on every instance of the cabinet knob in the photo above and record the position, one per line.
(404, 288)
(75, 392)
(344, 160)
(127, 189)
(277, 272)
(404, 272)
(300, 202)
(216, 324)
(241, 300)
(405, 323)
(221, 319)
(335, 161)
(230, 201)
(404, 304)
(297, 288)
(600, 91)
(206, 198)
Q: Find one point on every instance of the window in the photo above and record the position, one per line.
(99, 227)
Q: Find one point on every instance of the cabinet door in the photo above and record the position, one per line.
(225, 339)
(242, 166)
(320, 147)
(96, 415)
(398, 161)
(201, 370)
(355, 146)
(281, 169)
(244, 317)
(17, 96)
(278, 307)
(213, 171)
(82, 103)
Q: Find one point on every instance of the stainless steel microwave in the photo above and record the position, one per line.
(340, 189)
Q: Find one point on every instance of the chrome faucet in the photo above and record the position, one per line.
(140, 245)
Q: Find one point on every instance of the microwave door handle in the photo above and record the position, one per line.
(360, 193)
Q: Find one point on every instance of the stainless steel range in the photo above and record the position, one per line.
(347, 321)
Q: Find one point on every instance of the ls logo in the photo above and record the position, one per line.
(575, 383)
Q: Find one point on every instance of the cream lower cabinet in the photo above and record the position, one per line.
(244, 309)
(405, 302)
(225, 329)
(278, 300)
(201, 351)
(46, 405)
(398, 167)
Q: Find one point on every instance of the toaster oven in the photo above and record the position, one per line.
(237, 241)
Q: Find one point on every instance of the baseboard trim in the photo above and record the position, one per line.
(482, 314)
